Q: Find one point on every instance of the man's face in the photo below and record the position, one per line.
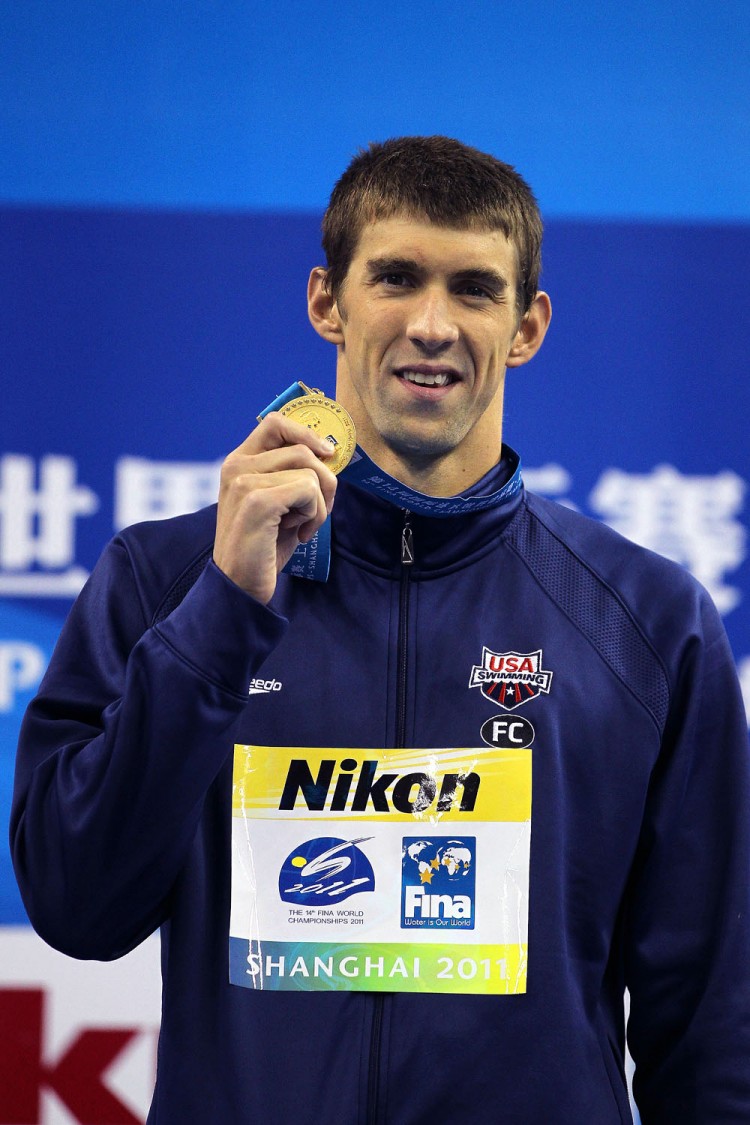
(426, 323)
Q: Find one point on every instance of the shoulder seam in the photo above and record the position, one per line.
(658, 705)
(182, 584)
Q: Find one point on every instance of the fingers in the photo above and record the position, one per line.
(292, 496)
(278, 443)
(276, 431)
(275, 492)
(288, 458)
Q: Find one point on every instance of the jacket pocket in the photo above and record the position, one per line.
(613, 1065)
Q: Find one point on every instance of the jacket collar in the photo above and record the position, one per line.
(368, 530)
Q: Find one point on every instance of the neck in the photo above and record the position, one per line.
(433, 476)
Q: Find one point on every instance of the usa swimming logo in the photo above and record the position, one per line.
(510, 679)
(438, 877)
(326, 869)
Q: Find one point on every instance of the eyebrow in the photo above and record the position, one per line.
(482, 274)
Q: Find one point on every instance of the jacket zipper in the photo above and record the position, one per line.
(407, 560)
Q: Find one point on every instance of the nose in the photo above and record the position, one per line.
(432, 325)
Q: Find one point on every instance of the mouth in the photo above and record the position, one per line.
(424, 375)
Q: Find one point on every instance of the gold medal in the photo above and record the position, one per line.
(330, 421)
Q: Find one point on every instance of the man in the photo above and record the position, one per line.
(498, 622)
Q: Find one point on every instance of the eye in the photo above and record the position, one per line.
(476, 291)
(395, 280)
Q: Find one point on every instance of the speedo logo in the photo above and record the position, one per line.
(258, 686)
(346, 790)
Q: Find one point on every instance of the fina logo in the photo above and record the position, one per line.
(438, 882)
(326, 869)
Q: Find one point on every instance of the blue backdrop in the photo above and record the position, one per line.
(142, 346)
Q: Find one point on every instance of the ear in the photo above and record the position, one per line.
(531, 331)
(322, 309)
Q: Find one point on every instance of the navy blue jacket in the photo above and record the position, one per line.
(639, 841)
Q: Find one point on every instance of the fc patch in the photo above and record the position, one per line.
(510, 679)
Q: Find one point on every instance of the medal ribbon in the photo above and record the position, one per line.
(312, 560)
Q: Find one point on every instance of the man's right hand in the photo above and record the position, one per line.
(275, 493)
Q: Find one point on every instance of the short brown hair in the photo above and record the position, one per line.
(442, 180)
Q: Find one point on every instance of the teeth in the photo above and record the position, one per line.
(438, 380)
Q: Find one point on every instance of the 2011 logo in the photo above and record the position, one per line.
(438, 879)
(510, 679)
(326, 869)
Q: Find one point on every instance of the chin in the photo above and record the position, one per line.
(413, 447)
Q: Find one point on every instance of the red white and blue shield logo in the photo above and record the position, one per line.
(510, 679)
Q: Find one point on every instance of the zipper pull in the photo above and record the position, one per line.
(407, 542)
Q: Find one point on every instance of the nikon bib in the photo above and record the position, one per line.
(380, 870)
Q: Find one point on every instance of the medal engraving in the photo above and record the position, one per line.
(329, 420)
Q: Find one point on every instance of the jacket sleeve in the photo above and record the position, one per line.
(688, 949)
(119, 748)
